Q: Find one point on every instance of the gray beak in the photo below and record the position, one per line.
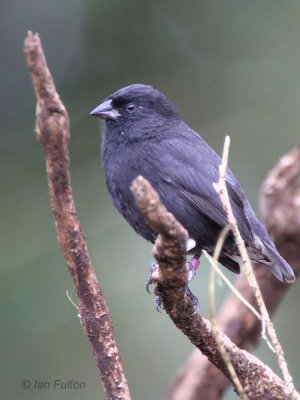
(106, 111)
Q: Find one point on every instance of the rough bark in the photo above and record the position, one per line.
(52, 130)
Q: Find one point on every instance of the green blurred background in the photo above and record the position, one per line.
(231, 68)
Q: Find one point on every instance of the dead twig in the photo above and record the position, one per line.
(52, 129)
(247, 269)
(212, 311)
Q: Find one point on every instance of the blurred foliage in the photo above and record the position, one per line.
(231, 67)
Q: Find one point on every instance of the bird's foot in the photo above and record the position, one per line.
(152, 275)
(151, 278)
(158, 305)
(193, 298)
(192, 267)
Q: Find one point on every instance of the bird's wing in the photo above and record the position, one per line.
(190, 167)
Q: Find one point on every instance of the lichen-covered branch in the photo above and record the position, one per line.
(257, 379)
(52, 129)
(280, 206)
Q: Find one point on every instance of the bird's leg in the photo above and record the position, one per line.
(151, 275)
(192, 267)
(151, 278)
(194, 263)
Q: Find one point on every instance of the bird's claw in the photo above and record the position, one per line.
(194, 300)
(158, 304)
(191, 268)
(153, 268)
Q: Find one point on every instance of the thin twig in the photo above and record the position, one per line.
(212, 312)
(247, 268)
(215, 266)
(230, 285)
(52, 129)
(72, 301)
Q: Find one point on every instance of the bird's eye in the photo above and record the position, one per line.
(130, 107)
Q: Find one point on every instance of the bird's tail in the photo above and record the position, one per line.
(278, 266)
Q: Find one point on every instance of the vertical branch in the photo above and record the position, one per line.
(52, 129)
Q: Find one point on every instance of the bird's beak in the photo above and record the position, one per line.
(106, 111)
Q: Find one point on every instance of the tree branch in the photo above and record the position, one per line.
(248, 270)
(279, 200)
(256, 378)
(52, 130)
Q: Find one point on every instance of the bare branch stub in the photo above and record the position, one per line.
(52, 129)
(256, 378)
(169, 249)
(279, 203)
(280, 206)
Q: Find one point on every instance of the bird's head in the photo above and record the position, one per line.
(137, 109)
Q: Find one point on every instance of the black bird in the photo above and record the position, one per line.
(144, 134)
